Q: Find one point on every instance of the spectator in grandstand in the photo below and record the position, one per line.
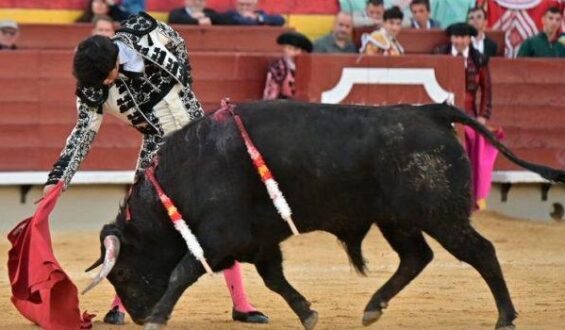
(383, 41)
(371, 15)
(448, 12)
(133, 6)
(477, 77)
(195, 12)
(103, 26)
(545, 43)
(246, 13)
(154, 95)
(103, 7)
(339, 40)
(9, 34)
(477, 18)
(421, 16)
(404, 6)
(280, 77)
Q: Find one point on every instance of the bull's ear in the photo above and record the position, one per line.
(95, 264)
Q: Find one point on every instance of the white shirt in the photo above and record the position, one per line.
(465, 53)
(479, 43)
(131, 60)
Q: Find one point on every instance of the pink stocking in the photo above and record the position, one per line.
(118, 302)
(234, 281)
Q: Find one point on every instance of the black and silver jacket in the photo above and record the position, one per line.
(133, 98)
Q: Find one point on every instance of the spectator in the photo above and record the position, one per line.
(383, 41)
(280, 78)
(404, 6)
(339, 40)
(102, 7)
(246, 13)
(477, 77)
(133, 6)
(448, 12)
(371, 15)
(478, 19)
(9, 33)
(195, 12)
(421, 16)
(103, 26)
(545, 43)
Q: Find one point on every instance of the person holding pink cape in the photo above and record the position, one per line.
(477, 78)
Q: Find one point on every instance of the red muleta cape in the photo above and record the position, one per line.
(41, 291)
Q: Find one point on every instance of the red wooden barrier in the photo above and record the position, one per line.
(249, 39)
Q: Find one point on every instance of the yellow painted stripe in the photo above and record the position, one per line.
(40, 15)
(314, 26)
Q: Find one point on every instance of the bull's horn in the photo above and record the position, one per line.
(95, 264)
(112, 247)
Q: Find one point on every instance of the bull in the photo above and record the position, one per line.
(342, 169)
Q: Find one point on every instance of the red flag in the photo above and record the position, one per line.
(41, 290)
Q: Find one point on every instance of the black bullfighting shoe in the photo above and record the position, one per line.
(114, 316)
(249, 317)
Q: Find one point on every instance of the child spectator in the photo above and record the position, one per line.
(280, 78)
(421, 16)
(339, 40)
(246, 13)
(404, 6)
(383, 41)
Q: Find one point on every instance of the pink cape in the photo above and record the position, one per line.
(482, 155)
(41, 291)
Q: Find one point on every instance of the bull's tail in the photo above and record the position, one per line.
(451, 114)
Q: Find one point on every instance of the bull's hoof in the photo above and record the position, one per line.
(153, 326)
(114, 316)
(249, 317)
(310, 322)
(370, 317)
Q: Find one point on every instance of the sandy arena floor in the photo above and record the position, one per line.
(448, 295)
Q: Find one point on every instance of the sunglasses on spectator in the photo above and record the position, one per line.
(11, 32)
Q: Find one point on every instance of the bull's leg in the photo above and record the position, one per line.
(414, 255)
(184, 275)
(469, 246)
(269, 267)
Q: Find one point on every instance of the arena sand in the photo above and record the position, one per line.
(447, 295)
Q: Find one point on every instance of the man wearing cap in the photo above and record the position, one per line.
(280, 77)
(477, 77)
(142, 76)
(9, 33)
(476, 69)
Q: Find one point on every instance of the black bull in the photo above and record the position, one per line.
(341, 168)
